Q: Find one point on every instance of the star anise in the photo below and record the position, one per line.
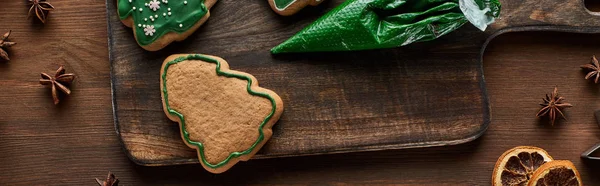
(110, 181)
(59, 81)
(41, 9)
(552, 106)
(594, 69)
(4, 43)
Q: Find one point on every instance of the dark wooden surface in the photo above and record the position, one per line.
(74, 142)
(429, 94)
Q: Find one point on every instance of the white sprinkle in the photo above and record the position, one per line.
(185, 2)
(149, 30)
(134, 8)
(145, 19)
(180, 25)
(169, 13)
(140, 9)
(164, 14)
(130, 1)
(169, 9)
(145, 4)
(155, 16)
(154, 5)
(139, 25)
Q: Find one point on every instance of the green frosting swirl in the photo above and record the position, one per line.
(282, 4)
(171, 16)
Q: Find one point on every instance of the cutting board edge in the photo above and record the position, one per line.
(341, 151)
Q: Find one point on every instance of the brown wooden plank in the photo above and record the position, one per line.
(70, 144)
(77, 141)
(44, 144)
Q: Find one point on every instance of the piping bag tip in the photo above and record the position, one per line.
(277, 49)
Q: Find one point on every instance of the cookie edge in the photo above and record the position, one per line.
(294, 7)
(230, 161)
(171, 36)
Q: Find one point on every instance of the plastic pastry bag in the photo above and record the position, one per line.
(374, 24)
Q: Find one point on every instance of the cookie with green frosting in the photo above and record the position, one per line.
(222, 113)
(157, 23)
(289, 7)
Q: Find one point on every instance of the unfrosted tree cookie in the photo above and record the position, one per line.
(222, 113)
(157, 23)
(289, 7)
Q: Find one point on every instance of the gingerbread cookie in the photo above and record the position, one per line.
(222, 113)
(289, 7)
(157, 23)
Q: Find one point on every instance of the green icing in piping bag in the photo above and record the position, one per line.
(374, 24)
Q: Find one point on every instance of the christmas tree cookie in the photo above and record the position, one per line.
(289, 7)
(222, 113)
(157, 23)
(374, 24)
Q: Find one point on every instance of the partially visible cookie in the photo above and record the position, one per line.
(157, 23)
(289, 7)
(222, 113)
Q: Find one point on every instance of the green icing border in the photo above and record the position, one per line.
(285, 4)
(220, 73)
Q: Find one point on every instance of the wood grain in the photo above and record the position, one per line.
(74, 142)
(429, 94)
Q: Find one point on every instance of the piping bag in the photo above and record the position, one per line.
(375, 24)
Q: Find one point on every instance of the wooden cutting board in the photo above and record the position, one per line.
(420, 95)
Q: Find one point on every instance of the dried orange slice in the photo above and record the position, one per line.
(516, 166)
(559, 172)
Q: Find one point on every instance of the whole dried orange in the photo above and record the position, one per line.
(558, 172)
(517, 165)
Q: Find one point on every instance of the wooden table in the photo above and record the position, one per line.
(74, 142)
